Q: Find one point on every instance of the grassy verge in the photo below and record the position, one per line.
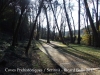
(91, 54)
(88, 53)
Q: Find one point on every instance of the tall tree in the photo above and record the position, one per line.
(48, 28)
(54, 25)
(78, 22)
(38, 29)
(15, 36)
(23, 6)
(60, 34)
(3, 5)
(71, 7)
(69, 25)
(97, 22)
(95, 9)
(34, 25)
(96, 38)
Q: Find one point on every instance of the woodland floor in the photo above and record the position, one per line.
(14, 58)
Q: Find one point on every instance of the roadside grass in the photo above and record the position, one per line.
(87, 49)
(46, 61)
(88, 53)
(41, 58)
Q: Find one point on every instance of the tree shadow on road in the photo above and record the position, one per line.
(57, 66)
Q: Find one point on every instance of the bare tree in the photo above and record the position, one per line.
(71, 7)
(95, 33)
(79, 23)
(97, 22)
(23, 6)
(60, 34)
(38, 29)
(69, 24)
(34, 25)
(48, 28)
(96, 13)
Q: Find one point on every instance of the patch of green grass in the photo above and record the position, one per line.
(90, 54)
(86, 49)
(41, 60)
(46, 61)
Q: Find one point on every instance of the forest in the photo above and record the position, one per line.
(27, 26)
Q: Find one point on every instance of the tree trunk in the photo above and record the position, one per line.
(97, 22)
(69, 25)
(57, 24)
(38, 30)
(72, 19)
(32, 32)
(15, 36)
(73, 22)
(48, 31)
(92, 24)
(13, 23)
(96, 13)
(79, 39)
(87, 23)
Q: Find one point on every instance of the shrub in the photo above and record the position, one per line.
(86, 39)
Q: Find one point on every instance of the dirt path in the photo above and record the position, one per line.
(68, 62)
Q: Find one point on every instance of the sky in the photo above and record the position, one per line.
(74, 13)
